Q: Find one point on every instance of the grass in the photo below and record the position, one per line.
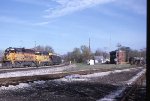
(83, 66)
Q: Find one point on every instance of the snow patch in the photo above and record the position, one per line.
(34, 72)
(12, 87)
(112, 96)
(39, 82)
(97, 74)
(129, 82)
(74, 77)
(77, 77)
(126, 70)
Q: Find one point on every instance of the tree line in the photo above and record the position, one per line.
(83, 53)
(43, 48)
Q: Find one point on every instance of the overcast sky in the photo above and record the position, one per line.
(66, 24)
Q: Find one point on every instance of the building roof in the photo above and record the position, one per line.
(98, 57)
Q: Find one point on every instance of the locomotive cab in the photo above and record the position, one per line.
(9, 54)
(9, 57)
(42, 58)
(18, 57)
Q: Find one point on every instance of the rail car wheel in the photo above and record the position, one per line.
(37, 64)
(7, 64)
(17, 64)
(49, 64)
(44, 64)
(33, 64)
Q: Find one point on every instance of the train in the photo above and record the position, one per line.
(22, 57)
(137, 61)
(121, 57)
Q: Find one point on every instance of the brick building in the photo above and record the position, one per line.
(121, 57)
(118, 57)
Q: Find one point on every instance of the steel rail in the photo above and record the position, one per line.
(133, 88)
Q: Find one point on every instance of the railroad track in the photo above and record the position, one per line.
(130, 93)
(5, 81)
(4, 70)
(91, 91)
(26, 79)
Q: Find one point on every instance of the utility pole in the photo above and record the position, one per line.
(110, 42)
(89, 45)
(89, 49)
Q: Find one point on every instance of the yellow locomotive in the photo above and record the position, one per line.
(43, 59)
(21, 57)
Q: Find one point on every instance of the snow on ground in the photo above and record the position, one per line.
(129, 82)
(77, 77)
(73, 77)
(35, 72)
(39, 82)
(111, 96)
(21, 85)
(69, 78)
(11, 87)
(59, 70)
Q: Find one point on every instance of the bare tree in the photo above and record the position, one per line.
(44, 48)
(119, 45)
(39, 48)
(143, 52)
(77, 55)
(98, 52)
(49, 49)
(85, 52)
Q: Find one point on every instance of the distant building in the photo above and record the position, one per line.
(90, 62)
(113, 57)
(121, 57)
(99, 59)
(117, 57)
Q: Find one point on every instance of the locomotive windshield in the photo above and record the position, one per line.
(37, 53)
(9, 50)
(41, 53)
